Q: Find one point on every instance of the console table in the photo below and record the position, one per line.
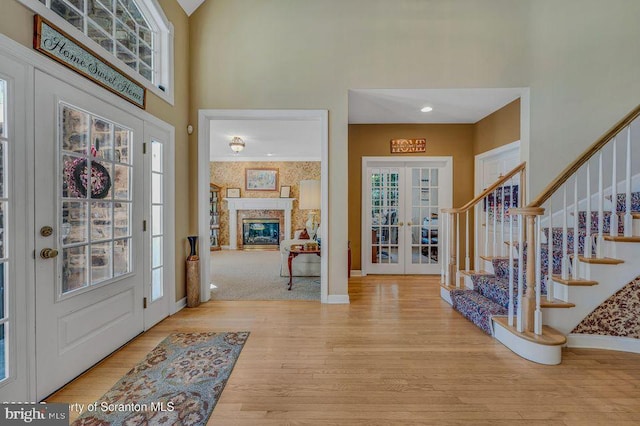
(293, 253)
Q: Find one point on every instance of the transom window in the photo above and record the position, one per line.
(121, 28)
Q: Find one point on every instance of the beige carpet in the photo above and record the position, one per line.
(255, 275)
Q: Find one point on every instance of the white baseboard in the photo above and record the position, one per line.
(356, 273)
(180, 304)
(338, 299)
(612, 343)
(225, 247)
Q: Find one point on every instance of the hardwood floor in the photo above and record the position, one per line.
(397, 355)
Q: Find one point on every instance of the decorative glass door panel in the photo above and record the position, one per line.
(423, 225)
(403, 201)
(96, 197)
(384, 194)
(157, 230)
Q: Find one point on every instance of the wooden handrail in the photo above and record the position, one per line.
(572, 168)
(488, 191)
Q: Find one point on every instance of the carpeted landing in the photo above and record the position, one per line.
(255, 275)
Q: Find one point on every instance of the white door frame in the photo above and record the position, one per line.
(33, 60)
(205, 117)
(365, 237)
(491, 155)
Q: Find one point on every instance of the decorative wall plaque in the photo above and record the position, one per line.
(53, 42)
(404, 146)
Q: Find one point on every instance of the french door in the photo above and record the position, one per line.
(89, 245)
(401, 215)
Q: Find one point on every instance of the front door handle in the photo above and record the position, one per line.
(48, 253)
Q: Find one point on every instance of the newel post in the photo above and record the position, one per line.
(451, 246)
(529, 299)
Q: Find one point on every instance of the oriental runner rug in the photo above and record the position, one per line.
(178, 383)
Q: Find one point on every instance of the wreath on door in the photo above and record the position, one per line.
(78, 179)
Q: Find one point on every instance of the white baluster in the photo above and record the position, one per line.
(576, 250)
(538, 312)
(519, 325)
(457, 250)
(486, 227)
(587, 237)
(502, 219)
(494, 251)
(600, 206)
(565, 243)
(628, 219)
(550, 254)
(445, 249)
(613, 230)
(511, 269)
(476, 233)
(467, 260)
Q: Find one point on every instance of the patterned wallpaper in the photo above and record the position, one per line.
(618, 316)
(232, 174)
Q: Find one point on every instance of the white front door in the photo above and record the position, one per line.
(402, 208)
(89, 192)
(14, 234)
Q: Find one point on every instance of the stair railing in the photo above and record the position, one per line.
(491, 212)
(594, 178)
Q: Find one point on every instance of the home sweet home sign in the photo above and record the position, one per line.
(405, 146)
(53, 42)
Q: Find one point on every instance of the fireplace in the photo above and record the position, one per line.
(260, 233)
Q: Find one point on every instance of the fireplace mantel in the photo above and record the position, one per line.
(235, 204)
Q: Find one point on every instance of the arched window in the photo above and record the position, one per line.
(134, 31)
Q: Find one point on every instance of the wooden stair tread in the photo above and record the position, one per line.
(571, 282)
(621, 239)
(635, 215)
(600, 260)
(490, 258)
(472, 272)
(550, 336)
(555, 303)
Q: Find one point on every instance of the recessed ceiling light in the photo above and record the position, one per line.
(426, 109)
(269, 154)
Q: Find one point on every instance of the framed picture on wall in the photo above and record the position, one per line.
(285, 191)
(233, 192)
(261, 179)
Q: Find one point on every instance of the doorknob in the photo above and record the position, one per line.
(48, 253)
(409, 223)
(400, 223)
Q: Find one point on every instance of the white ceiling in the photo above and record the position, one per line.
(285, 140)
(381, 106)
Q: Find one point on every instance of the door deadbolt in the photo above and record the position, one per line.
(46, 231)
(48, 253)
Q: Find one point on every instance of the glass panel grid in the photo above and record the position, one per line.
(425, 207)
(157, 211)
(4, 233)
(96, 199)
(108, 21)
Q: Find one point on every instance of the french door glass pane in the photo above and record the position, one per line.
(156, 284)
(96, 199)
(5, 132)
(3, 109)
(424, 208)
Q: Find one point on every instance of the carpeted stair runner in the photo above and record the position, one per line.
(490, 294)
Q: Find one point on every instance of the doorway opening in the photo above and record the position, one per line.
(257, 162)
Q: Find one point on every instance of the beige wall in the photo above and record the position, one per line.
(497, 129)
(16, 22)
(308, 54)
(454, 140)
(232, 175)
